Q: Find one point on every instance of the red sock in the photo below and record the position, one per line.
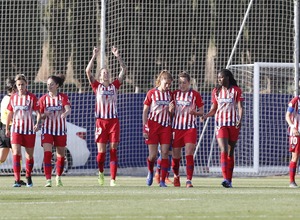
(60, 163)
(189, 166)
(29, 166)
(100, 161)
(224, 156)
(230, 167)
(150, 165)
(113, 163)
(164, 169)
(47, 164)
(17, 167)
(175, 166)
(293, 166)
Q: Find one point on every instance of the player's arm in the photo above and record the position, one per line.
(90, 66)
(289, 121)
(123, 72)
(145, 120)
(67, 111)
(38, 120)
(212, 112)
(241, 113)
(8, 120)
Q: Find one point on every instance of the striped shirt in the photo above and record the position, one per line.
(184, 103)
(54, 124)
(159, 106)
(106, 99)
(22, 108)
(227, 99)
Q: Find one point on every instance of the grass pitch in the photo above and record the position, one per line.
(82, 198)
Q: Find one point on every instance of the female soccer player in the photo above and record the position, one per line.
(107, 122)
(188, 105)
(228, 110)
(20, 107)
(157, 124)
(54, 107)
(292, 117)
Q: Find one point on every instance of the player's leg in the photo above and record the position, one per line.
(101, 156)
(47, 163)
(60, 163)
(29, 164)
(16, 152)
(158, 166)
(152, 153)
(294, 148)
(176, 156)
(113, 163)
(189, 156)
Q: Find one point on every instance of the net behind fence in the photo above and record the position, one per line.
(44, 37)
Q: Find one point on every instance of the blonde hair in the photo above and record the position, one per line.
(163, 74)
(21, 77)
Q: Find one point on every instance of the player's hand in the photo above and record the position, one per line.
(238, 124)
(36, 127)
(203, 118)
(95, 51)
(193, 112)
(146, 131)
(115, 51)
(172, 106)
(296, 132)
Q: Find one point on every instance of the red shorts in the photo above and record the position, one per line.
(182, 137)
(230, 132)
(26, 140)
(107, 130)
(158, 134)
(55, 140)
(294, 144)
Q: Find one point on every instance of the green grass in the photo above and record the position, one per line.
(82, 198)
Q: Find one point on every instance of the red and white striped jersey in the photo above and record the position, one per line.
(106, 99)
(22, 108)
(294, 109)
(227, 99)
(159, 106)
(54, 124)
(184, 103)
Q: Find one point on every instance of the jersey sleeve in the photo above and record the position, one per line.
(35, 103)
(95, 85)
(213, 97)
(117, 83)
(239, 97)
(199, 101)
(148, 99)
(65, 100)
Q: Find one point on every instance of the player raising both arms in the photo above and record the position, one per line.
(54, 107)
(157, 124)
(20, 107)
(107, 122)
(228, 110)
(292, 117)
(188, 105)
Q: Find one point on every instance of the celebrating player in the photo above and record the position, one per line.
(228, 110)
(188, 105)
(54, 108)
(293, 119)
(157, 124)
(20, 109)
(107, 122)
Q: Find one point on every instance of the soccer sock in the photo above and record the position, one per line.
(293, 166)
(230, 167)
(60, 163)
(47, 164)
(150, 165)
(100, 161)
(29, 166)
(224, 156)
(175, 166)
(113, 163)
(189, 166)
(164, 169)
(17, 167)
